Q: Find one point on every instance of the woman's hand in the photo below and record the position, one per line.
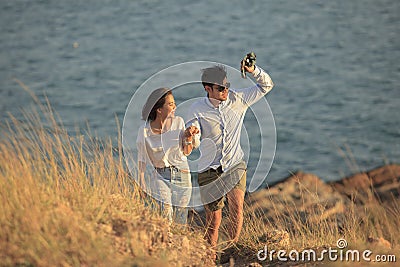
(190, 132)
(188, 139)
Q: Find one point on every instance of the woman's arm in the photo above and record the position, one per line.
(188, 137)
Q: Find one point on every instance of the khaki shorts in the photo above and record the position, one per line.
(212, 175)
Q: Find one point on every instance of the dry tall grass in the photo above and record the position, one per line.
(69, 201)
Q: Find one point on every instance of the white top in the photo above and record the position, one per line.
(220, 127)
(162, 150)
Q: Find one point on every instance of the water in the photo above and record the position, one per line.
(334, 63)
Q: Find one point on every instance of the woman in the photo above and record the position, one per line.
(164, 143)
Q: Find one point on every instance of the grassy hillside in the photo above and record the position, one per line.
(69, 201)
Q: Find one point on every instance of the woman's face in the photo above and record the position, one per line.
(168, 109)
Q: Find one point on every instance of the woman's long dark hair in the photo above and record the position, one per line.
(155, 101)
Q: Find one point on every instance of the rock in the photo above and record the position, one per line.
(301, 195)
(185, 243)
(106, 228)
(144, 238)
(305, 198)
(382, 183)
(385, 175)
(280, 238)
(379, 242)
(119, 226)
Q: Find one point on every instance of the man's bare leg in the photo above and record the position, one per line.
(213, 221)
(235, 205)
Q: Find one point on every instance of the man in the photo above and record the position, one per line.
(221, 168)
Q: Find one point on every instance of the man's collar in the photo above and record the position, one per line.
(220, 103)
(209, 103)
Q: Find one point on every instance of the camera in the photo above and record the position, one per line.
(249, 60)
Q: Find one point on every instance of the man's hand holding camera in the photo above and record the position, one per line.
(248, 64)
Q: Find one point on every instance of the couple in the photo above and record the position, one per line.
(215, 122)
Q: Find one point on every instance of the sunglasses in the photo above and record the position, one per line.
(222, 88)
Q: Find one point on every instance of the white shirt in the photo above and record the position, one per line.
(220, 127)
(162, 150)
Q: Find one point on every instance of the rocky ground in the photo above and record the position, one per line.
(314, 200)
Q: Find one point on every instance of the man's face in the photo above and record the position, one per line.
(218, 92)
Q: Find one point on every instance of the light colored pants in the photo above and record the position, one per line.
(173, 189)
